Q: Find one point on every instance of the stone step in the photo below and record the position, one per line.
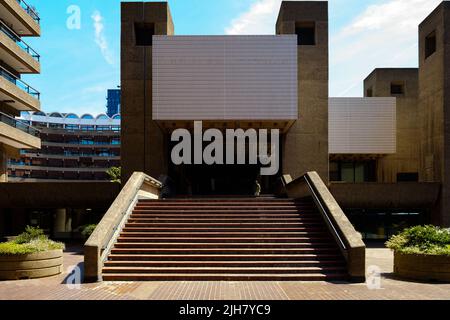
(131, 228)
(157, 224)
(147, 234)
(185, 219)
(227, 270)
(224, 277)
(129, 238)
(223, 200)
(226, 257)
(225, 208)
(226, 264)
(238, 251)
(220, 211)
(149, 245)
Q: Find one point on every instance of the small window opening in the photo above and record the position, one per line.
(369, 92)
(306, 34)
(397, 88)
(430, 44)
(144, 33)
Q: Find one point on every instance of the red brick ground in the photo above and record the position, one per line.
(391, 288)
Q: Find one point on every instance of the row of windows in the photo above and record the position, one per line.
(72, 127)
(363, 171)
(84, 141)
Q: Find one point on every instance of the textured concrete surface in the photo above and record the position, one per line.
(406, 158)
(305, 147)
(391, 288)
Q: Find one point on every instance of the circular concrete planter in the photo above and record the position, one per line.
(422, 267)
(30, 266)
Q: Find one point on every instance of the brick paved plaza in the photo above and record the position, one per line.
(392, 288)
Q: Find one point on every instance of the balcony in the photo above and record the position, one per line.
(31, 11)
(17, 53)
(17, 134)
(18, 94)
(21, 17)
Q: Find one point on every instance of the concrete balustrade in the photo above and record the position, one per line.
(139, 186)
(348, 239)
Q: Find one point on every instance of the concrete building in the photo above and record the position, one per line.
(372, 141)
(17, 20)
(74, 148)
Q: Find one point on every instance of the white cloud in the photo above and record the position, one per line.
(259, 19)
(385, 34)
(100, 38)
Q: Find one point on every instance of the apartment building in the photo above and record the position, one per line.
(18, 20)
(74, 148)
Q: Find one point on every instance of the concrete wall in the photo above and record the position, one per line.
(305, 147)
(434, 106)
(44, 195)
(143, 142)
(386, 195)
(406, 158)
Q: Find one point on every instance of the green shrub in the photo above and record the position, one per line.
(30, 234)
(38, 245)
(31, 241)
(87, 230)
(421, 240)
(115, 174)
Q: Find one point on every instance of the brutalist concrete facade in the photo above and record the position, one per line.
(305, 147)
(143, 142)
(434, 104)
(382, 83)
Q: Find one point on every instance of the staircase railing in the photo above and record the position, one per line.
(348, 239)
(99, 244)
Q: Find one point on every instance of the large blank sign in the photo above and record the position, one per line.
(362, 125)
(225, 78)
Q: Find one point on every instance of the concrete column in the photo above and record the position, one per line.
(68, 226)
(59, 225)
(3, 166)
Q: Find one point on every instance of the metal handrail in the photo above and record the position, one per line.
(20, 43)
(31, 12)
(19, 83)
(19, 125)
(325, 213)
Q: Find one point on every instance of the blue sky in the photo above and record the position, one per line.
(79, 65)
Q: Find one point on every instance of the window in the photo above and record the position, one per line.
(430, 44)
(408, 177)
(72, 127)
(306, 34)
(397, 88)
(144, 33)
(353, 171)
(369, 92)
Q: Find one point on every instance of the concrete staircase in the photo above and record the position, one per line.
(225, 239)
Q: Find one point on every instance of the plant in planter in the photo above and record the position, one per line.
(87, 230)
(32, 240)
(422, 253)
(30, 255)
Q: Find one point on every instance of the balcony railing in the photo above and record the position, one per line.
(22, 44)
(19, 83)
(19, 125)
(30, 10)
